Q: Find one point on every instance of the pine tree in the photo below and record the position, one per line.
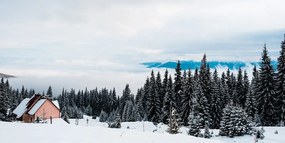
(3, 100)
(203, 91)
(246, 85)
(177, 87)
(128, 114)
(224, 91)
(125, 97)
(173, 121)
(266, 90)
(207, 133)
(114, 100)
(216, 105)
(205, 78)
(239, 89)
(103, 116)
(250, 103)
(187, 98)
(234, 122)
(164, 85)
(136, 114)
(194, 124)
(117, 123)
(202, 104)
(281, 83)
(139, 102)
(88, 110)
(146, 93)
(159, 92)
(49, 92)
(168, 98)
(153, 101)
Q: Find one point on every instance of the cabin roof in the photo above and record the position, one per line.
(31, 105)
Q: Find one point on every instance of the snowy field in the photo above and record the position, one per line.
(131, 132)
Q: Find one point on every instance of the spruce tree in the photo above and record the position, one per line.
(202, 104)
(3, 100)
(250, 103)
(224, 91)
(216, 104)
(159, 91)
(234, 122)
(194, 120)
(173, 121)
(207, 133)
(164, 85)
(187, 98)
(128, 114)
(281, 83)
(49, 92)
(153, 101)
(125, 97)
(205, 78)
(239, 89)
(266, 90)
(168, 98)
(177, 87)
(139, 102)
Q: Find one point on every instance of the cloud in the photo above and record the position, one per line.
(61, 38)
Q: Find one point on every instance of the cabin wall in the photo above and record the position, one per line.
(28, 118)
(47, 110)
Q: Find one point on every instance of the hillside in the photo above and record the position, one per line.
(131, 132)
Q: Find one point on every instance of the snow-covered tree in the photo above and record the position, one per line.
(266, 90)
(168, 98)
(116, 123)
(103, 116)
(205, 78)
(250, 104)
(234, 122)
(3, 100)
(49, 92)
(139, 103)
(187, 98)
(207, 133)
(216, 104)
(125, 97)
(281, 84)
(88, 110)
(128, 114)
(178, 91)
(153, 102)
(173, 121)
(202, 104)
(194, 125)
(159, 90)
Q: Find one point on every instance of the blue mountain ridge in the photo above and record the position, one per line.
(232, 65)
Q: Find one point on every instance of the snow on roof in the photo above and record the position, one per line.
(55, 102)
(37, 106)
(21, 108)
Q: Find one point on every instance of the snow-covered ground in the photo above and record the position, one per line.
(131, 132)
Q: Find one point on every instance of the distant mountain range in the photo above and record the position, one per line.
(232, 65)
(2, 75)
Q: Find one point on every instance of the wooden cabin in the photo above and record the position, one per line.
(37, 107)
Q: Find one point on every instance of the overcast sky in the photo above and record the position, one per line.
(89, 43)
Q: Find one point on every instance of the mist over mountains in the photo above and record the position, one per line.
(232, 65)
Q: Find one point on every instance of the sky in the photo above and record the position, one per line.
(101, 43)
